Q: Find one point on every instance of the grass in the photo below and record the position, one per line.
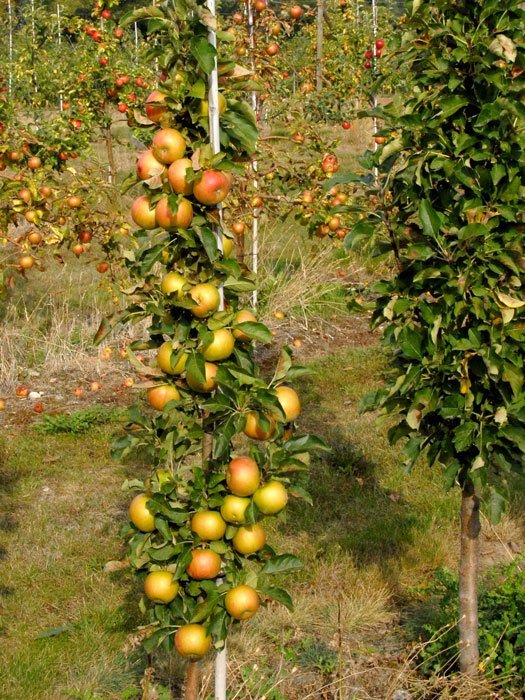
(372, 532)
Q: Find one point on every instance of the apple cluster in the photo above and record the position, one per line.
(196, 538)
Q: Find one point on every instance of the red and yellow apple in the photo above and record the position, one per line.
(271, 498)
(242, 602)
(243, 476)
(208, 525)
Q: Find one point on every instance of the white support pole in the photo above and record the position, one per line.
(319, 56)
(33, 45)
(59, 36)
(374, 67)
(255, 164)
(215, 139)
(136, 42)
(10, 21)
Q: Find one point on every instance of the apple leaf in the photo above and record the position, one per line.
(280, 595)
(282, 564)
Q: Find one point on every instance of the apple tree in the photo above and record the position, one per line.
(218, 431)
(450, 209)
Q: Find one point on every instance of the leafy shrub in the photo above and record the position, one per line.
(501, 625)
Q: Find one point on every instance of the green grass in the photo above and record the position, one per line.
(64, 509)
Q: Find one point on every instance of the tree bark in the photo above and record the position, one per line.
(468, 581)
(193, 681)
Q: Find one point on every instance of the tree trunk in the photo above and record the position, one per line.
(193, 681)
(468, 581)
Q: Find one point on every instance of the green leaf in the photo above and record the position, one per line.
(282, 564)
(257, 331)
(196, 367)
(54, 632)
(429, 219)
(280, 595)
(204, 53)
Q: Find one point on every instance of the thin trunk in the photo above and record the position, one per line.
(468, 581)
(319, 64)
(193, 681)
(109, 149)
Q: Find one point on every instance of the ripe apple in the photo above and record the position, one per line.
(239, 227)
(208, 525)
(85, 236)
(296, 11)
(272, 49)
(207, 298)
(254, 429)
(173, 283)
(346, 125)
(164, 355)
(238, 18)
(221, 347)
(192, 641)
(212, 187)
(74, 201)
(209, 385)
(243, 476)
(22, 391)
(369, 54)
(205, 564)
(177, 176)
(155, 106)
(34, 237)
(330, 164)
(233, 509)
(148, 166)
(172, 220)
(368, 65)
(118, 32)
(260, 5)
(102, 267)
(34, 163)
(335, 222)
(45, 191)
(142, 214)
(140, 515)
(271, 498)
(26, 261)
(103, 61)
(160, 587)
(249, 539)
(243, 316)
(159, 396)
(289, 401)
(380, 44)
(106, 14)
(77, 249)
(168, 145)
(242, 602)
(380, 140)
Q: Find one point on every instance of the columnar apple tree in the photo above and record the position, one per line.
(218, 433)
(450, 209)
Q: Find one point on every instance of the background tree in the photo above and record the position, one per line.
(448, 194)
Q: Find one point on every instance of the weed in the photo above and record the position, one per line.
(78, 422)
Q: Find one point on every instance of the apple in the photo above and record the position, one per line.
(221, 347)
(205, 108)
(34, 237)
(289, 401)
(177, 176)
(346, 125)
(227, 246)
(207, 298)
(172, 220)
(159, 396)
(260, 5)
(243, 316)
(155, 106)
(330, 164)
(249, 539)
(34, 163)
(380, 140)
(335, 222)
(254, 429)
(164, 355)
(25, 195)
(233, 509)
(85, 236)
(26, 261)
(103, 61)
(45, 191)
(369, 54)
(271, 498)
(239, 227)
(106, 14)
(173, 283)
(296, 11)
(160, 587)
(298, 138)
(140, 515)
(243, 476)
(238, 18)
(368, 65)
(211, 188)
(168, 145)
(77, 249)
(205, 564)
(208, 525)
(242, 602)
(209, 385)
(192, 641)
(118, 32)
(102, 267)
(142, 214)
(272, 49)
(380, 44)
(22, 391)
(74, 201)
(257, 202)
